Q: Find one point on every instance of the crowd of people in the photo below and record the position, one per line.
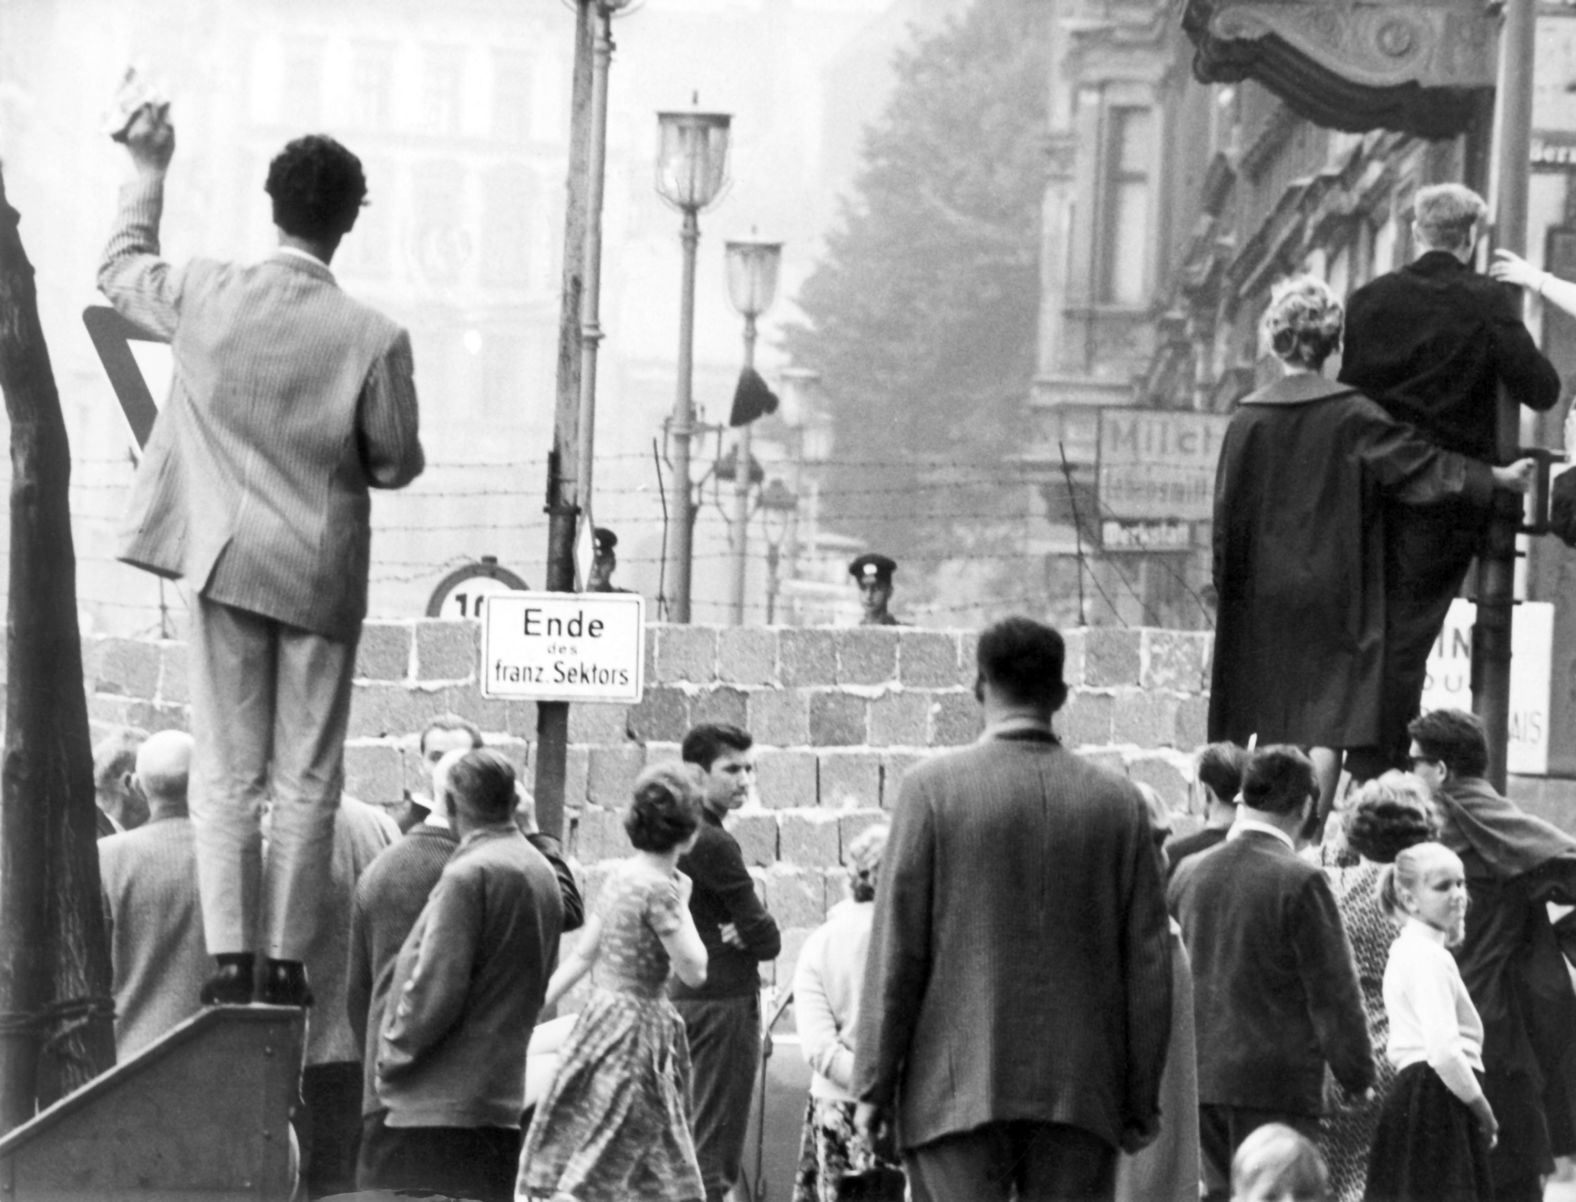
(1030, 993)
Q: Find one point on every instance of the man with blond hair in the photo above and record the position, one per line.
(1433, 342)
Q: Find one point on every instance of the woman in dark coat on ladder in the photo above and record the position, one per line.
(1299, 565)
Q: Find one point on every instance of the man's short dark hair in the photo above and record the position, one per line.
(449, 722)
(1022, 660)
(485, 779)
(706, 742)
(1220, 769)
(317, 188)
(1453, 737)
(1278, 779)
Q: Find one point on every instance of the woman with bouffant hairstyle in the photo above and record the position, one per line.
(1387, 816)
(1305, 471)
(615, 1123)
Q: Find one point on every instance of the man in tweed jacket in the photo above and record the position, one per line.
(1017, 994)
(149, 880)
(289, 401)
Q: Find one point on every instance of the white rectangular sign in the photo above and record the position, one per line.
(564, 646)
(1145, 536)
(1449, 681)
(1158, 464)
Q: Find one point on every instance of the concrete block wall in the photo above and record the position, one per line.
(838, 716)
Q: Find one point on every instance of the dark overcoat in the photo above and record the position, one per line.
(1299, 564)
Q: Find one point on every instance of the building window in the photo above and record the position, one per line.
(1129, 146)
(301, 101)
(443, 243)
(371, 87)
(442, 90)
(509, 201)
(511, 100)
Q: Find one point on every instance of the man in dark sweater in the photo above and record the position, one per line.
(1433, 342)
(464, 993)
(389, 897)
(1274, 987)
(723, 1017)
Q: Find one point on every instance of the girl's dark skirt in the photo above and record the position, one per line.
(1428, 1147)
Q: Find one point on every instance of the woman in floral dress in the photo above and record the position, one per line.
(1387, 815)
(615, 1124)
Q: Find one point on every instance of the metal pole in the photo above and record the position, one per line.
(563, 509)
(591, 294)
(741, 489)
(684, 427)
(771, 584)
(1497, 565)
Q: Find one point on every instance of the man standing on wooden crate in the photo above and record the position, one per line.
(289, 401)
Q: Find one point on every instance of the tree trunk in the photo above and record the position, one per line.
(56, 1030)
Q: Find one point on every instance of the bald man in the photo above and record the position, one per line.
(149, 881)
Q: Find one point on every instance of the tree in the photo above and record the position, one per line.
(921, 318)
(56, 1031)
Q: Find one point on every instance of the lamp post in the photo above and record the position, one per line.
(1491, 633)
(569, 463)
(591, 295)
(692, 165)
(778, 505)
(752, 284)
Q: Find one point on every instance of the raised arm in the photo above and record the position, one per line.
(132, 275)
(568, 887)
(1511, 268)
(1527, 372)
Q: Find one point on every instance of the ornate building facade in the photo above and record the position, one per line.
(1172, 206)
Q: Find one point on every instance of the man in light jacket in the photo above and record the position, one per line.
(289, 400)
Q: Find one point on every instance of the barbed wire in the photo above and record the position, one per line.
(1007, 528)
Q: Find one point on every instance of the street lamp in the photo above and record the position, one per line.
(752, 284)
(778, 505)
(591, 292)
(692, 166)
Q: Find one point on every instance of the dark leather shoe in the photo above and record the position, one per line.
(284, 984)
(230, 986)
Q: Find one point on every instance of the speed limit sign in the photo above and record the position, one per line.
(461, 592)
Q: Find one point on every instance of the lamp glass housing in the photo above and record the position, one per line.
(778, 505)
(752, 274)
(692, 157)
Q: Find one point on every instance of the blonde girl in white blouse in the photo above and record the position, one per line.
(1437, 1127)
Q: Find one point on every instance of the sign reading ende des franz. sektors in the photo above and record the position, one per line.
(1158, 465)
(564, 646)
